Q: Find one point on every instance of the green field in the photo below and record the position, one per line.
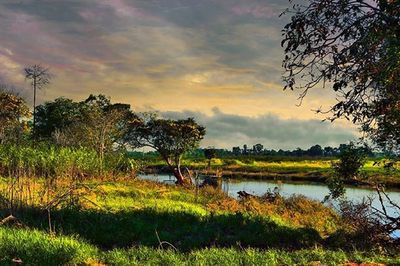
(123, 222)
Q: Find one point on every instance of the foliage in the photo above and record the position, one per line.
(361, 227)
(37, 248)
(354, 47)
(101, 126)
(170, 138)
(55, 116)
(13, 110)
(351, 160)
(95, 123)
(210, 153)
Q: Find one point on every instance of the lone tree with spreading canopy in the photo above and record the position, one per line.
(170, 138)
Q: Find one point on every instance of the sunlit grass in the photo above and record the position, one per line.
(38, 248)
(207, 229)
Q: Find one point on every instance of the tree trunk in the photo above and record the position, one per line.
(34, 109)
(176, 170)
(180, 179)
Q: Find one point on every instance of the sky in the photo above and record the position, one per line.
(218, 61)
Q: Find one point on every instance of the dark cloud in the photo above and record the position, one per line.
(58, 11)
(227, 130)
(169, 54)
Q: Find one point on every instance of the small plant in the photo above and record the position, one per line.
(351, 160)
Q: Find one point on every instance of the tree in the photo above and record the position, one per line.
(94, 123)
(351, 159)
(104, 124)
(258, 148)
(329, 151)
(12, 110)
(353, 47)
(210, 153)
(56, 115)
(170, 138)
(39, 77)
(315, 150)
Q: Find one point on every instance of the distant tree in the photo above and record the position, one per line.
(210, 153)
(315, 150)
(39, 77)
(329, 151)
(298, 152)
(245, 150)
(236, 151)
(13, 110)
(171, 138)
(258, 148)
(354, 48)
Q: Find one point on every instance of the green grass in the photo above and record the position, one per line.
(231, 256)
(131, 213)
(209, 229)
(38, 248)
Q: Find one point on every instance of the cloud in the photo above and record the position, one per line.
(258, 11)
(170, 54)
(227, 130)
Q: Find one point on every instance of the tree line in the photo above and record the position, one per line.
(98, 124)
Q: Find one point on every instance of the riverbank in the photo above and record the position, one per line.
(123, 223)
(306, 171)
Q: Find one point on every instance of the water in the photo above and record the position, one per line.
(314, 191)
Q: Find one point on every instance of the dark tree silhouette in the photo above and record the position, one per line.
(39, 77)
(56, 115)
(354, 48)
(210, 153)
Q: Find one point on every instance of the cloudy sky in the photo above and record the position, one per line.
(216, 60)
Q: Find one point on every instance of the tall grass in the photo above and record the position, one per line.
(48, 174)
(52, 162)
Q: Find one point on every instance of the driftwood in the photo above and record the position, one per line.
(8, 219)
(210, 181)
(244, 195)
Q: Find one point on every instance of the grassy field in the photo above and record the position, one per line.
(123, 223)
